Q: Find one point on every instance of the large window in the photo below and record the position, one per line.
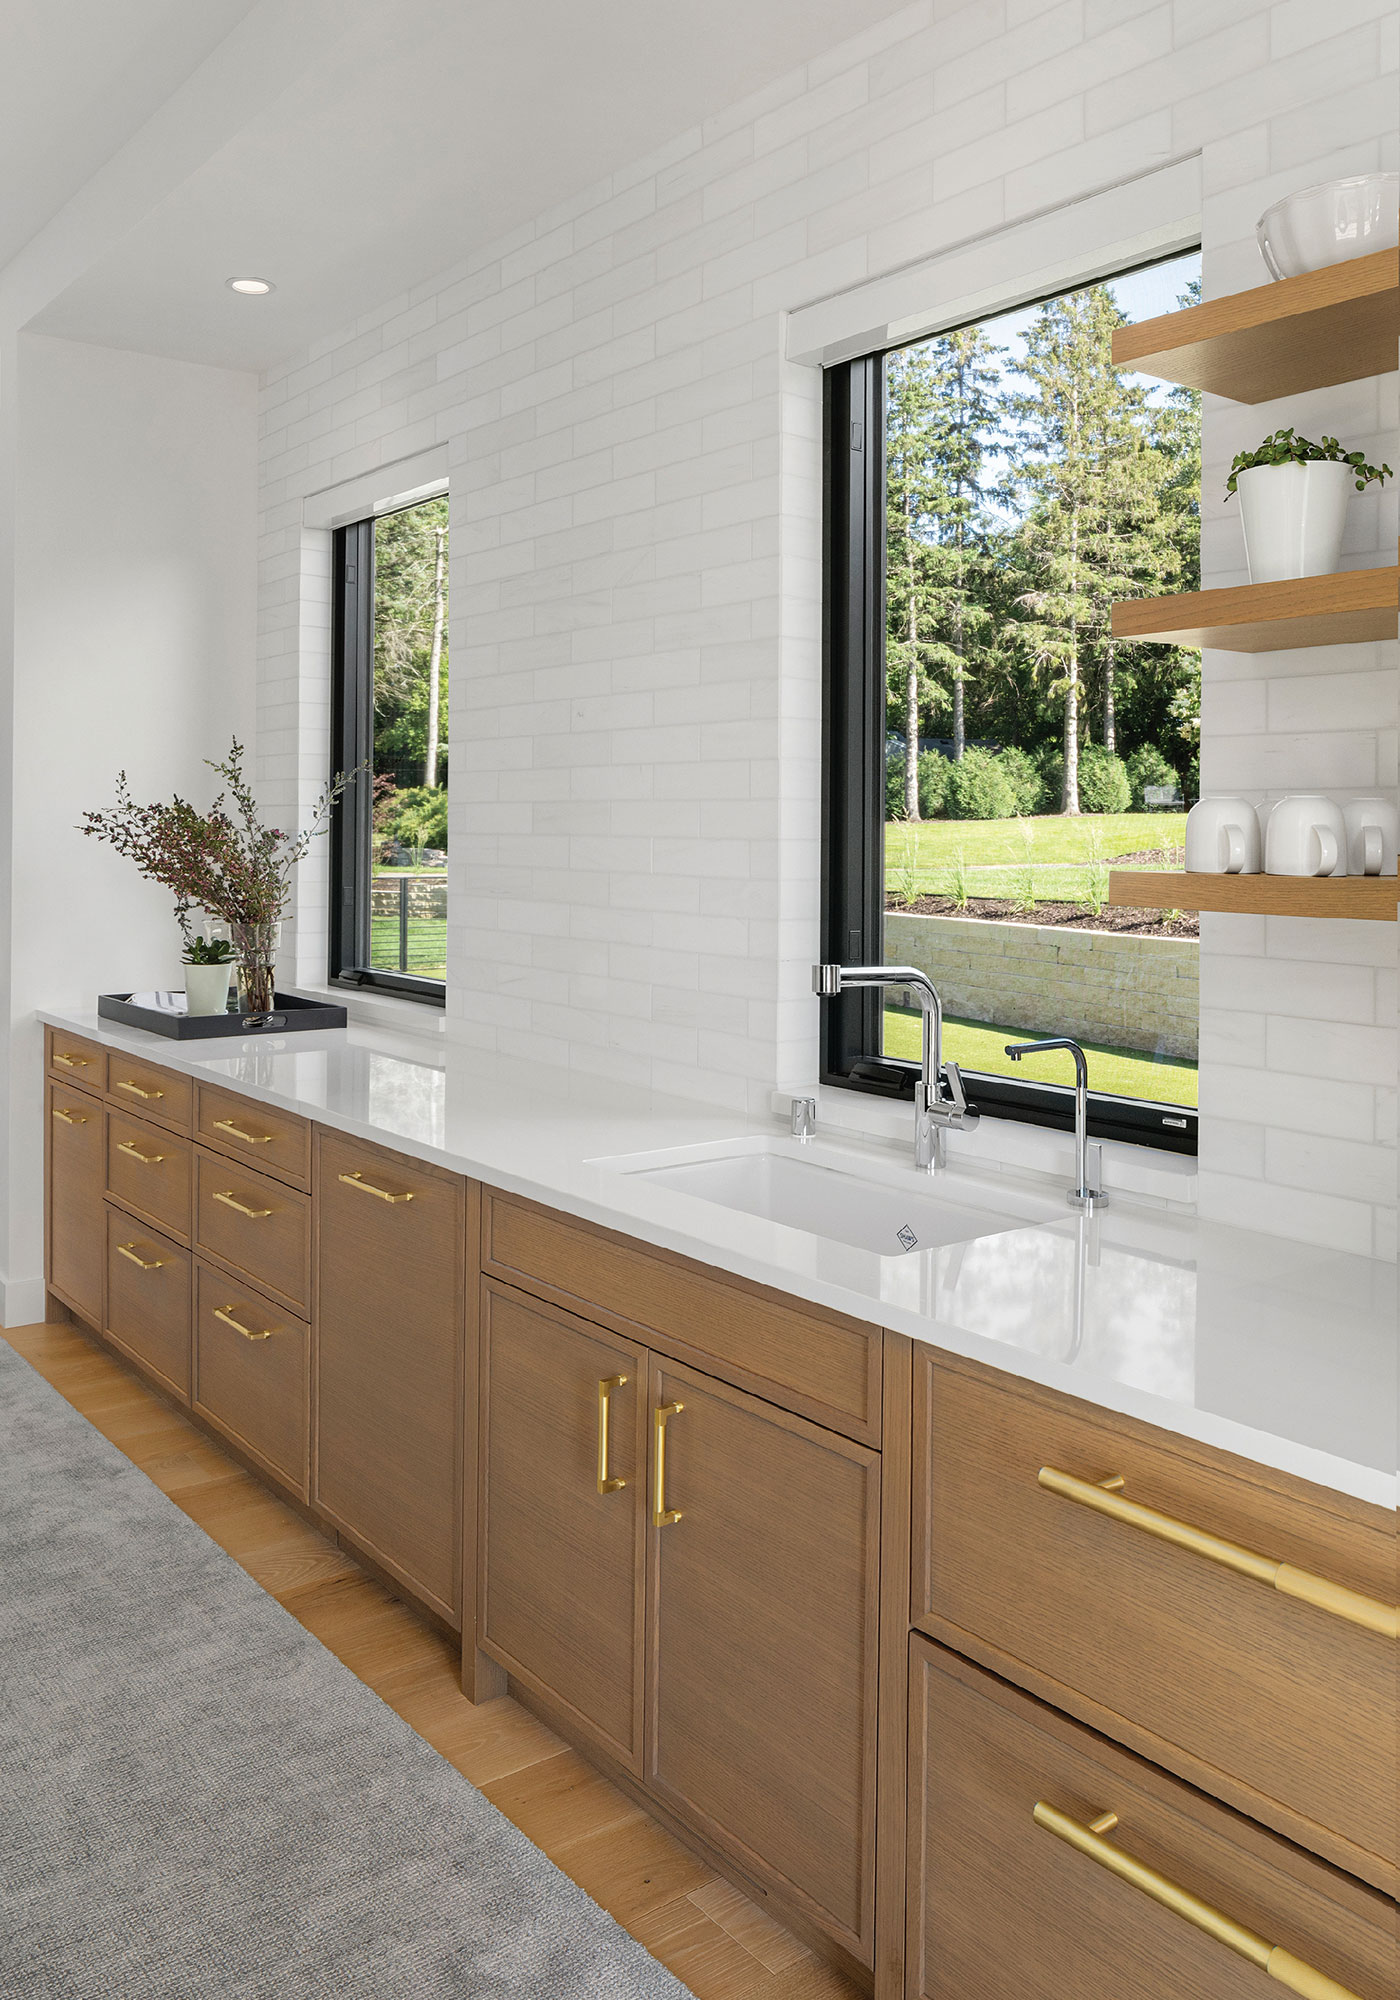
(389, 840)
(992, 751)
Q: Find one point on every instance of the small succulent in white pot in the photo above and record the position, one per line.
(1293, 503)
(209, 964)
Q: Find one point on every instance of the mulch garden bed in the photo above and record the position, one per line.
(1063, 916)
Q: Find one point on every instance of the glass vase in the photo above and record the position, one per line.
(256, 946)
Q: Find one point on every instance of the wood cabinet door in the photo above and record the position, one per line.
(76, 1210)
(765, 1574)
(562, 1521)
(388, 1355)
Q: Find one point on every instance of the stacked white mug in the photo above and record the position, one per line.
(1303, 834)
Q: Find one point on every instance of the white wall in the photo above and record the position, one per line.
(133, 646)
(635, 609)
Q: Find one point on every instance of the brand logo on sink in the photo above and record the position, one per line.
(907, 1237)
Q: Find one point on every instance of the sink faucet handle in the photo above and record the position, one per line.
(804, 1117)
(957, 1096)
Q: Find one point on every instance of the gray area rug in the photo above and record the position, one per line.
(196, 1798)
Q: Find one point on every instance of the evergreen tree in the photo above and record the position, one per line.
(410, 636)
(912, 395)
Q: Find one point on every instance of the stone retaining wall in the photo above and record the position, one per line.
(1099, 986)
(427, 895)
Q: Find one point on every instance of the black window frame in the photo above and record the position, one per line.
(352, 744)
(853, 791)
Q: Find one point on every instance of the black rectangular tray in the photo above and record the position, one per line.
(289, 1014)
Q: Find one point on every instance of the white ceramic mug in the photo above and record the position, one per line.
(1307, 836)
(1222, 838)
(1373, 832)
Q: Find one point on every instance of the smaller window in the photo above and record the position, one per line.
(389, 837)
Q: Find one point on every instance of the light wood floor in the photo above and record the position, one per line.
(711, 1937)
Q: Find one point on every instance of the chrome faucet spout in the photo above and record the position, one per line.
(1087, 1192)
(934, 1111)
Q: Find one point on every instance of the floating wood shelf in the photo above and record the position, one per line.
(1370, 897)
(1336, 325)
(1342, 609)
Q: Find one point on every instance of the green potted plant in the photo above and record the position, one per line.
(1293, 503)
(209, 964)
(225, 862)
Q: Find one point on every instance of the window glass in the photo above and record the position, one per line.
(1028, 484)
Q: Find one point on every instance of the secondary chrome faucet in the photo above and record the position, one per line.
(1082, 1194)
(934, 1112)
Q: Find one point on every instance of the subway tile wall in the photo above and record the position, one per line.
(635, 494)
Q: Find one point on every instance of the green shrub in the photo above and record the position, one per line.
(1027, 784)
(933, 783)
(417, 817)
(978, 788)
(894, 784)
(1147, 766)
(1103, 781)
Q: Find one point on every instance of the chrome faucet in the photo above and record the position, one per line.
(940, 1102)
(1087, 1192)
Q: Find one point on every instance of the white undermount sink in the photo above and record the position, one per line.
(848, 1194)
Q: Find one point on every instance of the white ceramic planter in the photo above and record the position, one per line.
(206, 988)
(1294, 517)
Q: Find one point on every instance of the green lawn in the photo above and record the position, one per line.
(427, 946)
(980, 1045)
(1052, 858)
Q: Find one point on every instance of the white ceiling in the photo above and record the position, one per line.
(422, 129)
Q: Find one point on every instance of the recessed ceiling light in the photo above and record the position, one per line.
(255, 287)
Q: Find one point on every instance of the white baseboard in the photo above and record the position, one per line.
(21, 1301)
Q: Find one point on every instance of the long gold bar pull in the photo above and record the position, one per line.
(225, 1313)
(230, 1200)
(1281, 1965)
(662, 1516)
(357, 1180)
(68, 1117)
(129, 1251)
(606, 1482)
(1368, 1612)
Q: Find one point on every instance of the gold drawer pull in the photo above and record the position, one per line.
(661, 1515)
(1357, 1609)
(72, 1062)
(1271, 1958)
(248, 1138)
(146, 1159)
(128, 1250)
(357, 1180)
(69, 1117)
(225, 1313)
(227, 1198)
(137, 1091)
(606, 1483)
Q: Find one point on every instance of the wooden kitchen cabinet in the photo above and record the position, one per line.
(74, 1200)
(561, 1513)
(148, 1300)
(1004, 1907)
(388, 1361)
(765, 1572)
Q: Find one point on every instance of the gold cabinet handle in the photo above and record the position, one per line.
(606, 1483)
(128, 1250)
(137, 1091)
(357, 1180)
(1357, 1609)
(1271, 1958)
(134, 1153)
(225, 1313)
(72, 1062)
(662, 1516)
(227, 1198)
(237, 1132)
(69, 1117)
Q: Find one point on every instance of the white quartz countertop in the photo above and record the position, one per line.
(1282, 1353)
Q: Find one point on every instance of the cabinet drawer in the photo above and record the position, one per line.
(149, 1169)
(148, 1299)
(72, 1060)
(818, 1363)
(251, 1372)
(275, 1142)
(1003, 1906)
(1216, 1674)
(162, 1094)
(255, 1223)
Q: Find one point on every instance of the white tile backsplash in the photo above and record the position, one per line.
(635, 490)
